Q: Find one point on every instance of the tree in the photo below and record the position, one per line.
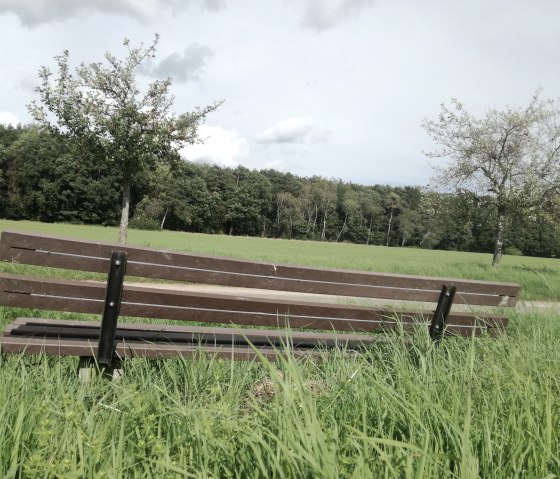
(49, 180)
(513, 155)
(286, 211)
(351, 209)
(250, 204)
(392, 203)
(102, 106)
(372, 211)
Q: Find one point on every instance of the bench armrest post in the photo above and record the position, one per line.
(442, 311)
(112, 307)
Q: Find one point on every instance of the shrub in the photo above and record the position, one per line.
(143, 223)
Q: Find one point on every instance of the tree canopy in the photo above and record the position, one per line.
(48, 177)
(513, 155)
(104, 107)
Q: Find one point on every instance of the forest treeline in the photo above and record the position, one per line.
(46, 177)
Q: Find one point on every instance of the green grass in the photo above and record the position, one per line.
(482, 408)
(539, 277)
(486, 408)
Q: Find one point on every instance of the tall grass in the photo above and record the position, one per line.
(469, 408)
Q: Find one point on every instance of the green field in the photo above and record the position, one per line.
(538, 276)
(486, 408)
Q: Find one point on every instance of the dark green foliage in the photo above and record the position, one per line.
(143, 223)
(512, 251)
(47, 177)
(249, 205)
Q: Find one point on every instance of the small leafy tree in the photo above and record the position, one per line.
(103, 106)
(512, 155)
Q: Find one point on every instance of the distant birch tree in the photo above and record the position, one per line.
(104, 107)
(512, 154)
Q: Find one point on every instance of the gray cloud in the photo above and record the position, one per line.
(28, 83)
(35, 12)
(184, 66)
(321, 15)
(291, 130)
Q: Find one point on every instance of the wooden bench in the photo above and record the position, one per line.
(275, 322)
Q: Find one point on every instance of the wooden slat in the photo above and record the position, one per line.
(93, 256)
(182, 335)
(87, 297)
(135, 349)
(190, 329)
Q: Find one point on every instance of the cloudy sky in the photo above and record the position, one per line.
(336, 88)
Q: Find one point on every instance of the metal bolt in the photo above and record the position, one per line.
(112, 304)
(447, 294)
(117, 263)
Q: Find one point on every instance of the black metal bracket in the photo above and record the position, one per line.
(442, 311)
(113, 296)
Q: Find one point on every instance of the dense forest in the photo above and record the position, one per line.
(45, 177)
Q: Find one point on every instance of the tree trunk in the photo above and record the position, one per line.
(342, 229)
(291, 225)
(278, 218)
(500, 225)
(389, 227)
(123, 230)
(323, 231)
(424, 237)
(369, 231)
(164, 218)
(315, 220)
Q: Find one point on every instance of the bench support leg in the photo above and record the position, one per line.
(113, 298)
(114, 371)
(88, 368)
(442, 311)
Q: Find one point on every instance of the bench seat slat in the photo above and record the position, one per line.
(88, 256)
(29, 327)
(136, 349)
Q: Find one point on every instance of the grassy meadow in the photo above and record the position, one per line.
(486, 408)
(538, 276)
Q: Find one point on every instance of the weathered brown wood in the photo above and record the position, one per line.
(151, 327)
(344, 323)
(135, 349)
(87, 297)
(219, 335)
(130, 347)
(183, 335)
(88, 256)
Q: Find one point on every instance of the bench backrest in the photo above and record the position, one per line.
(145, 262)
(89, 297)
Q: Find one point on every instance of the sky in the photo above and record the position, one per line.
(333, 88)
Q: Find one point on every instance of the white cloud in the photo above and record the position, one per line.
(291, 130)
(34, 12)
(7, 118)
(221, 147)
(321, 15)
